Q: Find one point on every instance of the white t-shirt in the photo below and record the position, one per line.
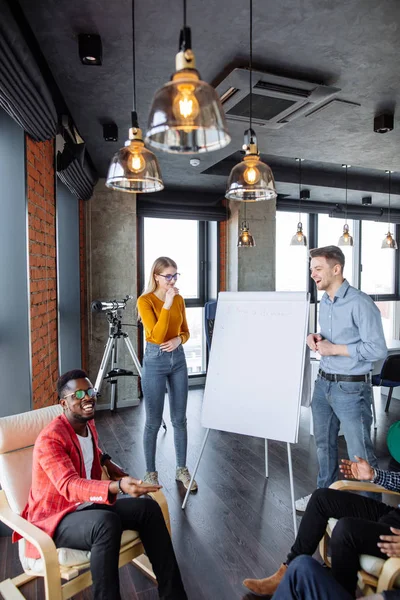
(86, 444)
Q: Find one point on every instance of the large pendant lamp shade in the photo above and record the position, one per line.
(186, 115)
(251, 180)
(134, 168)
(299, 239)
(346, 239)
(389, 242)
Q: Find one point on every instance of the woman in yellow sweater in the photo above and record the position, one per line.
(162, 311)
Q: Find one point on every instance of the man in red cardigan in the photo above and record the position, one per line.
(69, 500)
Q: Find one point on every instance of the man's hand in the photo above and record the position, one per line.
(326, 348)
(171, 344)
(114, 471)
(133, 487)
(390, 544)
(360, 470)
(312, 340)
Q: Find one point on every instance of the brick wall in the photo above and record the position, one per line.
(42, 270)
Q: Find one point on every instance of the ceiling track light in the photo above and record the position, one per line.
(299, 239)
(90, 49)
(134, 168)
(251, 180)
(346, 239)
(389, 242)
(186, 115)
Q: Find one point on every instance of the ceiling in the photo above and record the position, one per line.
(353, 46)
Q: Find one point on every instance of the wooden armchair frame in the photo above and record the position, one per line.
(391, 569)
(54, 574)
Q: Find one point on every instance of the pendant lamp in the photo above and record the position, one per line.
(245, 239)
(134, 168)
(299, 239)
(345, 239)
(186, 115)
(251, 180)
(388, 240)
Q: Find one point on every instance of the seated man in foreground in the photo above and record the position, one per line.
(69, 501)
(361, 523)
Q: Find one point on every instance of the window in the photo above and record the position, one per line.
(329, 232)
(378, 266)
(184, 242)
(291, 263)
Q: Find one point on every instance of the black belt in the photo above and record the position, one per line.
(335, 377)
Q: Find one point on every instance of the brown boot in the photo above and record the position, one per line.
(267, 586)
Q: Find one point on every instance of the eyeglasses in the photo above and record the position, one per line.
(80, 394)
(170, 277)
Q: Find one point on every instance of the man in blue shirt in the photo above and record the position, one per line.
(350, 341)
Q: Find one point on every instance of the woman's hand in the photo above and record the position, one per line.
(169, 296)
(171, 344)
(357, 470)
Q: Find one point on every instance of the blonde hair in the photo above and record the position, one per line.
(161, 263)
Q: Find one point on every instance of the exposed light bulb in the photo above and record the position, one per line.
(300, 236)
(136, 162)
(251, 175)
(185, 105)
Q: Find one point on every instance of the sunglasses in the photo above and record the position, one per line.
(80, 394)
(170, 277)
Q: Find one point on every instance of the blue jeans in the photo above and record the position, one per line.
(164, 370)
(306, 579)
(345, 404)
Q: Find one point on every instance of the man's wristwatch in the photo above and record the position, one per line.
(373, 476)
(103, 458)
(120, 490)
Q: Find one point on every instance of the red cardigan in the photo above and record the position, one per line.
(59, 481)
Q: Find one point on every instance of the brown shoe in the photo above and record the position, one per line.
(267, 586)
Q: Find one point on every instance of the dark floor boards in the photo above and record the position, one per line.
(238, 524)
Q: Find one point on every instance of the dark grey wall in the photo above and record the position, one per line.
(15, 368)
(69, 316)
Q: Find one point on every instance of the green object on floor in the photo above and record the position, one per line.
(393, 440)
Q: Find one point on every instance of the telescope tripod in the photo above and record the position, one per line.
(115, 334)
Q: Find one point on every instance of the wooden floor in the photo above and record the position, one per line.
(238, 524)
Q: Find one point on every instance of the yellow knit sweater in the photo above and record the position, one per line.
(161, 324)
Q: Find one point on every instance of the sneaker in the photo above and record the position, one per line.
(183, 475)
(301, 503)
(267, 586)
(151, 477)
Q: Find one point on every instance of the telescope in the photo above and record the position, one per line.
(110, 306)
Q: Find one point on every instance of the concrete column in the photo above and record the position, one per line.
(111, 275)
(252, 269)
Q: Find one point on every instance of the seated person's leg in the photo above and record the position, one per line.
(324, 504)
(100, 532)
(352, 537)
(144, 515)
(306, 579)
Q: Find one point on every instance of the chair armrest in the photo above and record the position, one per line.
(42, 542)
(162, 502)
(360, 486)
(390, 572)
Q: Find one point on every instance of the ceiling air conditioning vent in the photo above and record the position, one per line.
(276, 100)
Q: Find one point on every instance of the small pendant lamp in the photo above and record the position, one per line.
(134, 168)
(186, 115)
(245, 239)
(299, 239)
(251, 180)
(345, 239)
(389, 241)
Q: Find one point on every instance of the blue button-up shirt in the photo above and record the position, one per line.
(351, 319)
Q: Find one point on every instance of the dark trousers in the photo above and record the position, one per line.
(306, 579)
(362, 521)
(99, 527)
